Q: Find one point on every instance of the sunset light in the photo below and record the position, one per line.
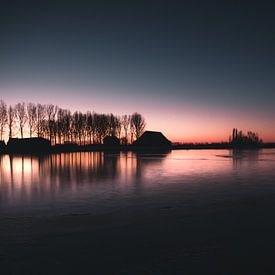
(137, 137)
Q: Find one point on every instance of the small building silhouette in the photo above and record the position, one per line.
(152, 139)
(3, 147)
(28, 145)
(111, 141)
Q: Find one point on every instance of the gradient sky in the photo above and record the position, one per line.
(194, 69)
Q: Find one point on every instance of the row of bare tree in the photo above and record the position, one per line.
(62, 126)
(238, 138)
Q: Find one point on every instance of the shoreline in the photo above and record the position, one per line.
(73, 148)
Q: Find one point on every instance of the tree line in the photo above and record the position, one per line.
(239, 139)
(62, 126)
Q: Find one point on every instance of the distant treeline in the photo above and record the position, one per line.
(238, 139)
(62, 126)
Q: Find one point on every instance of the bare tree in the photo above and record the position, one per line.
(113, 125)
(59, 128)
(90, 126)
(20, 111)
(59, 125)
(138, 124)
(63, 128)
(40, 118)
(67, 125)
(84, 131)
(101, 126)
(125, 122)
(79, 127)
(119, 126)
(3, 118)
(51, 111)
(32, 117)
(11, 120)
(103, 123)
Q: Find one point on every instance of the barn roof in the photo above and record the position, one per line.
(152, 138)
(111, 140)
(28, 145)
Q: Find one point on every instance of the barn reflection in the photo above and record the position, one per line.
(29, 177)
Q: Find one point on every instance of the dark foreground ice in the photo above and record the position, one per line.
(185, 212)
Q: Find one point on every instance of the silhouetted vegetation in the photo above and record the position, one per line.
(61, 126)
(238, 139)
(3, 118)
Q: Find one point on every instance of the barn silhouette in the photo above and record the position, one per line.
(152, 139)
(111, 141)
(3, 147)
(28, 145)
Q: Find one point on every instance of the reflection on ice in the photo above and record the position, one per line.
(27, 179)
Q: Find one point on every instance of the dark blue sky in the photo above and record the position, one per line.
(200, 65)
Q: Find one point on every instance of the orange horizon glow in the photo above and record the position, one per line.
(188, 122)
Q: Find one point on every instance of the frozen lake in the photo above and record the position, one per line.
(181, 212)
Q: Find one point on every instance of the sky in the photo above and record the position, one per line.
(193, 69)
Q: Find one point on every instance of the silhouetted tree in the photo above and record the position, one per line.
(67, 125)
(119, 126)
(3, 118)
(90, 126)
(20, 111)
(238, 139)
(63, 127)
(125, 122)
(32, 117)
(44, 129)
(138, 124)
(59, 125)
(101, 126)
(40, 118)
(77, 126)
(51, 111)
(113, 125)
(11, 120)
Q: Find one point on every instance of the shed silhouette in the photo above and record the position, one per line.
(111, 141)
(152, 139)
(28, 145)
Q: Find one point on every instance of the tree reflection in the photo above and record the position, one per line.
(240, 157)
(34, 177)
